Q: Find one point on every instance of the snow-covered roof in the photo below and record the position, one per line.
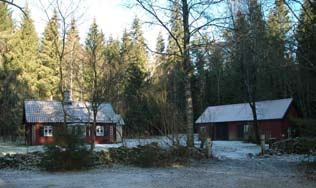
(266, 110)
(77, 112)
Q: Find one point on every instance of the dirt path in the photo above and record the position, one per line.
(257, 173)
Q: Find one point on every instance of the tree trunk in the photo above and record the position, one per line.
(255, 121)
(189, 113)
(92, 132)
(188, 72)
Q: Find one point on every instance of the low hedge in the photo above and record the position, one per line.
(151, 155)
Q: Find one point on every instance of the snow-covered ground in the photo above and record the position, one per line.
(9, 148)
(235, 166)
(234, 150)
(222, 150)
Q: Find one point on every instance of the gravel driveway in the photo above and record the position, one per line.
(215, 173)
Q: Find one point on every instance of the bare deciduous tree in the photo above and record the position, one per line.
(196, 17)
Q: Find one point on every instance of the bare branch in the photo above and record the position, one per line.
(15, 5)
(153, 13)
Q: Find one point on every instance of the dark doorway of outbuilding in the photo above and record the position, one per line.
(221, 132)
(240, 132)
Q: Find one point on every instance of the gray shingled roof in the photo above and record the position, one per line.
(266, 110)
(77, 112)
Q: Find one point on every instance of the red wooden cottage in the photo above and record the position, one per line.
(234, 121)
(40, 118)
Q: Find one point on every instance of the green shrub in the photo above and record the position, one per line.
(69, 152)
(306, 127)
(296, 145)
(120, 155)
(307, 145)
(151, 155)
(57, 158)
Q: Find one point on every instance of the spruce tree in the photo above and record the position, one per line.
(94, 74)
(114, 70)
(159, 59)
(276, 75)
(9, 119)
(160, 49)
(24, 56)
(306, 56)
(49, 49)
(139, 52)
(174, 62)
(136, 74)
(199, 83)
(73, 63)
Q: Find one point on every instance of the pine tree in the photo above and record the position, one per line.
(199, 83)
(24, 56)
(74, 63)
(160, 49)
(94, 74)
(95, 48)
(125, 54)
(49, 51)
(114, 71)
(126, 47)
(306, 38)
(277, 59)
(136, 75)
(9, 119)
(139, 52)
(173, 66)
(160, 58)
(6, 30)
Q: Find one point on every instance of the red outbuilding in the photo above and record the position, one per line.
(234, 121)
(41, 118)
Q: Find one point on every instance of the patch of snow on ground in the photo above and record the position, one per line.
(9, 148)
(162, 141)
(234, 150)
(221, 149)
(293, 158)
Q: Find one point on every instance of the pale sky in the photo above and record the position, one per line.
(112, 17)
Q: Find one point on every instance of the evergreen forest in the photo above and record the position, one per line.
(258, 50)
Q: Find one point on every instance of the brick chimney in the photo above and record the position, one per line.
(67, 97)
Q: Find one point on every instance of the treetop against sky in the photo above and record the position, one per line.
(112, 16)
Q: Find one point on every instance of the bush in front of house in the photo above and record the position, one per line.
(28, 161)
(304, 144)
(152, 155)
(296, 145)
(306, 127)
(57, 158)
(68, 152)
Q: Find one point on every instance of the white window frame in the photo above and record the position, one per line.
(203, 129)
(83, 129)
(48, 131)
(246, 128)
(99, 130)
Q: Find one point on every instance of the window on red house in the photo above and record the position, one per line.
(203, 130)
(48, 131)
(99, 130)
